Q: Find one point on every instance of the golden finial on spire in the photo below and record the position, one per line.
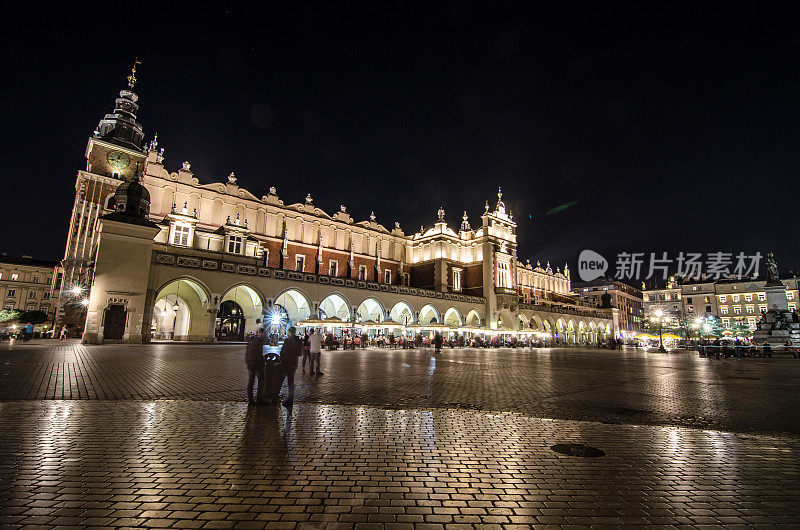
(132, 77)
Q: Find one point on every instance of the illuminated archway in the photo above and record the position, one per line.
(370, 309)
(402, 313)
(452, 317)
(180, 311)
(429, 315)
(249, 303)
(474, 319)
(291, 306)
(536, 323)
(334, 305)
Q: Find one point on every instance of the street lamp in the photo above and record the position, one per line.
(660, 315)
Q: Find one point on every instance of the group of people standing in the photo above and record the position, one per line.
(270, 373)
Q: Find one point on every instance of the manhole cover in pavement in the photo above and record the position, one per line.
(578, 450)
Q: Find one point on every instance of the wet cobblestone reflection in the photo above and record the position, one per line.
(155, 437)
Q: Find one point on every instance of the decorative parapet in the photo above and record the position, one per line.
(250, 269)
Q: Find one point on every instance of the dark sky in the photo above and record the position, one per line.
(674, 127)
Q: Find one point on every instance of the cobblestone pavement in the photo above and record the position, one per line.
(751, 395)
(159, 436)
(190, 464)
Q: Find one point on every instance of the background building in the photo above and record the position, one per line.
(627, 299)
(733, 301)
(26, 284)
(667, 300)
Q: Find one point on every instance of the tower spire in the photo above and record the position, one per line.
(120, 126)
(132, 77)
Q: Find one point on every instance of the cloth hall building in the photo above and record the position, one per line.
(158, 255)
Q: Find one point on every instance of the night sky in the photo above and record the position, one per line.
(675, 128)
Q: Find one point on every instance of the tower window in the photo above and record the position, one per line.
(362, 273)
(333, 268)
(387, 276)
(456, 279)
(299, 263)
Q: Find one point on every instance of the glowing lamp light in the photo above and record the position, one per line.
(275, 319)
(659, 313)
(75, 290)
(85, 302)
(176, 307)
(164, 313)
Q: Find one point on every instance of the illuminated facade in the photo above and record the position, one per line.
(26, 284)
(221, 256)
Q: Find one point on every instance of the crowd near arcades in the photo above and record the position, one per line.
(163, 256)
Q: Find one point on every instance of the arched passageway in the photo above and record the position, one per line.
(402, 313)
(240, 312)
(180, 312)
(289, 308)
(370, 309)
(335, 305)
(429, 315)
(452, 318)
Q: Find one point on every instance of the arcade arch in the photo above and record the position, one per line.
(370, 309)
(334, 305)
(402, 313)
(452, 317)
(180, 311)
(429, 315)
(290, 307)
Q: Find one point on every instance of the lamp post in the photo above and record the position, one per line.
(660, 315)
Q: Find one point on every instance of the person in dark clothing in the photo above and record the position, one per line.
(437, 342)
(290, 351)
(254, 358)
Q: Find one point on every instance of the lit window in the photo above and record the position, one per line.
(456, 279)
(362, 273)
(723, 310)
(387, 276)
(1, 275)
(503, 274)
(722, 298)
(752, 322)
(789, 295)
(299, 263)
(762, 297)
(235, 244)
(748, 297)
(762, 308)
(726, 322)
(30, 307)
(751, 309)
(333, 268)
(735, 298)
(32, 294)
(792, 307)
(737, 310)
(180, 235)
(706, 300)
(14, 277)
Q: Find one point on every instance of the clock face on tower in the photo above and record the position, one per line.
(118, 160)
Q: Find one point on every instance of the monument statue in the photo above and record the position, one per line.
(773, 278)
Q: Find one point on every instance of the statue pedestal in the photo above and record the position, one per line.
(776, 297)
(777, 326)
